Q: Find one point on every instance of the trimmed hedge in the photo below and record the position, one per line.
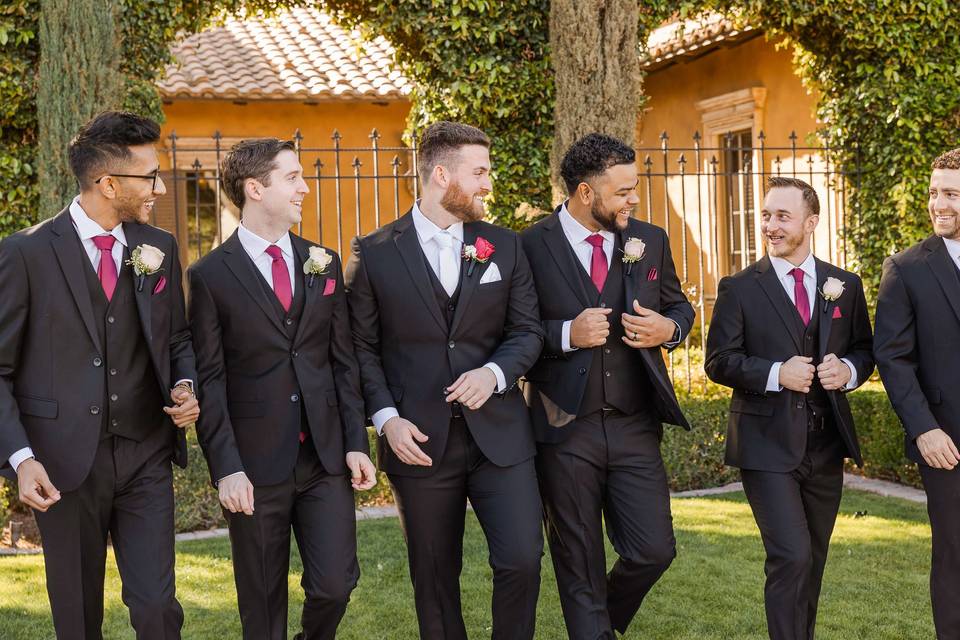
(694, 459)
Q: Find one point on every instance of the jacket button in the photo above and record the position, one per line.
(800, 404)
(606, 373)
(289, 322)
(582, 370)
(110, 319)
(114, 423)
(94, 410)
(294, 354)
(113, 372)
(606, 349)
(113, 397)
(294, 398)
(603, 305)
(451, 344)
(98, 361)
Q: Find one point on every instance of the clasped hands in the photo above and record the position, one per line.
(644, 330)
(797, 373)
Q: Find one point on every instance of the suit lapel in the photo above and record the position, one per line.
(69, 252)
(940, 262)
(823, 307)
(143, 294)
(301, 251)
(237, 260)
(559, 247)
(408, 244)
(767, 277)
(468, 284)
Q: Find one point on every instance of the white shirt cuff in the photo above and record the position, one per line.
(852, 384)
(498, 372)
(773, 379)
(19, 456)
(235, 473)
(565, 337)
(671, 345)
(381, 417)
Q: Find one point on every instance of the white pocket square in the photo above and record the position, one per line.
(492, 274)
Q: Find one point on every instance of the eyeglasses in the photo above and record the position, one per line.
(154, 177)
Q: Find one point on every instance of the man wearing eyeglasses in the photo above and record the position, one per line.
(97, 373)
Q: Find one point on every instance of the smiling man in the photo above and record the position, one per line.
(283, 428)
(609, 300)
(97, 372)
(790, 335)
(918, 354)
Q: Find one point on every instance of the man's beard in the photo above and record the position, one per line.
(461, 205)
(949, 234)
(606, 219)
(787, 247)
(130, 210)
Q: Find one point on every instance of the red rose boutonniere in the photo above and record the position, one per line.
(480, 251)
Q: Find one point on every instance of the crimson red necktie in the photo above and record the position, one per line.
(801, 300)
(598, 261)
(281, 277)
(107, 269)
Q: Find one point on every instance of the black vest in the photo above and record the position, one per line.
(817, 397)
(617, 377)
(131, 407)
(448, 303)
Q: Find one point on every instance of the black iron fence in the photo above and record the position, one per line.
(706, 194)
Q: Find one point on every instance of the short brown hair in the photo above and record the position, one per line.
(441, 139)
(103, 144)
(810, 198)
(250, 159)
(947, 160)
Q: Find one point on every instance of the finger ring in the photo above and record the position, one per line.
(635, 335)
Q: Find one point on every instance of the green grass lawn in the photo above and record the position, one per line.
(875, 585)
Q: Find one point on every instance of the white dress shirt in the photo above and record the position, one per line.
(809, 268)
(577, 235)
(953, 248)
(87, 229)
(256, 248)
(426, 233)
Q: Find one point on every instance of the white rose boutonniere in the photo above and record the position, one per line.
(633, 250)
(832, 290)
(317, 263)
(146, 260)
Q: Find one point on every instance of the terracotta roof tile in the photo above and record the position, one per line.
(690, 37)
(300, 54)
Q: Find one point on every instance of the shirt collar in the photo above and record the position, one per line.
(87, 228)
(784, 267)
(255, 246)
(953, 248)
(426, 229)
(576, 231)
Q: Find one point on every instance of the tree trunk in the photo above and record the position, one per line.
(596, 63)
(79, 77)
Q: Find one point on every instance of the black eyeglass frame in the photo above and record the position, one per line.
(150, 176)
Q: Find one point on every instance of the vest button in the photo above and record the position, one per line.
(289, 322)
(606, 349)
(94, 410)
(114, 423)
(294, 354)
(452, 344)
(606, 373)
(113, 372)
(603, 305)
(799, 404)
(450, 307)
(110, 319)
(98, 361)
(294, 398)
(113, 397)
(582, 370)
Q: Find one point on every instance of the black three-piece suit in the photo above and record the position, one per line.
(789, 446)
(267, 375)
(84, 382)
(413, 340)
(917, 347)
(597, 417)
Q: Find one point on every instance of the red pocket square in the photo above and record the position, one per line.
(836, 313)
(652, 274)
(330, 287)
(161, 285)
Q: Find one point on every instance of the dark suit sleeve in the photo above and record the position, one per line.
(673, 303)
(895, 348)
(183, 365)
(365, 327)
(214, 429)
(860, 352)
(553, 337)
(523, 334)
(346, 372)
(14, 306)
(727, 362)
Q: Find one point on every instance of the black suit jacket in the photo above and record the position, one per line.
(558, 379)
(253, 379)
(51, 359)
(917, 344)
(754, 325)
(406, 350)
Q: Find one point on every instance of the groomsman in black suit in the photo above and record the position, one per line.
(445, 321)
(790, 334)
(918, 353)
(97, 372)
(609, 300)
(283, 425)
